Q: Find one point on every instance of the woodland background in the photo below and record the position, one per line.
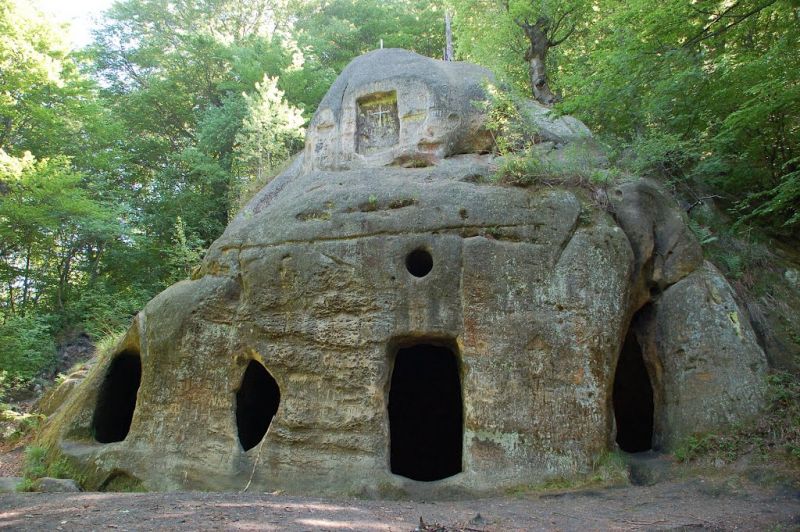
(121, 162)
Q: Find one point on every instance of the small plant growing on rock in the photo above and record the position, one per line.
(505, 121)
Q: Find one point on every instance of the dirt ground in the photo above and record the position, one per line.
(700, 504)
(11, 460)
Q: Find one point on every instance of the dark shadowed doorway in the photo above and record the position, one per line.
(425, 413)
(117, 398)
(256, 404)
(633, 399)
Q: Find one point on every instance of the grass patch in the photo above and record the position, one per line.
(574, 166)
(609, 469)
(40, 463)
(775, 435)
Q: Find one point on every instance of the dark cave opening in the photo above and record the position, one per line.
(633, 399)
(116, 400)
(257, 402)
(419, 262)
(425, 413)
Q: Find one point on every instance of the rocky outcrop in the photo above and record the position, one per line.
(560, 130)
(394, 107)
(10, 484)
(55, 485)
(665, 250)
(381, 320)
(707, 367)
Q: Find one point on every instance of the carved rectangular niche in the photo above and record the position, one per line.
(377, 123)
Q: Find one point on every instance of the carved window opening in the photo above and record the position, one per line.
(116, 400)
(257, 402)
(377, 123)
(419, 262)
(426, 413)
(633, 399)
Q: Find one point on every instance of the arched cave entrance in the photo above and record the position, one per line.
(633, 399)
(257, 402)
(116, 400)
(425, 413)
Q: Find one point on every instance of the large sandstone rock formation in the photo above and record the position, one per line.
(382, 320)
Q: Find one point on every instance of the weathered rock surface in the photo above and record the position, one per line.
(395, 107)
(349, 265)
(560, 130)
(664, 248)
(56, 485)
(9, 484)
(707, 368)
(53, 398)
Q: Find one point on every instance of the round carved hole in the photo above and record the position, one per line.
(419, 263)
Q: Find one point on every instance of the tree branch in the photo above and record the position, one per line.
(564, 15)
(564, 38)
(705, 33)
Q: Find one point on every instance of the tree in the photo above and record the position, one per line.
(271, 132)
(704, 92)
(331, 33)
(51, 230)
(553, 25)
(176, 72)
(488, 32)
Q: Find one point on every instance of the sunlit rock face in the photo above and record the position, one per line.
(393, 107)
(382, 320)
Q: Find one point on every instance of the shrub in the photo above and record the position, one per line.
(27, 350)
(103, 310)
(662, 155)
(505, 121)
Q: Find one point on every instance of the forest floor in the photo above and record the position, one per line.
(696, 504)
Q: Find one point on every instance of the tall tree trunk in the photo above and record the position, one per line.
(26, 277)
(10, 297)
(63, 279)
(536, 56)
(448, 37)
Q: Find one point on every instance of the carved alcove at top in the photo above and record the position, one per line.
(377, 122)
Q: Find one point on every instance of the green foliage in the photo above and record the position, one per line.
(698, 91)
(511, 130)
(703, 234)
(35, 465)
(27, 349)
(39, 463)
(664, 155)
(185, 252)
(103, 310)
(572, 167)
(486, 33)
(331, 33)
(271, 131)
